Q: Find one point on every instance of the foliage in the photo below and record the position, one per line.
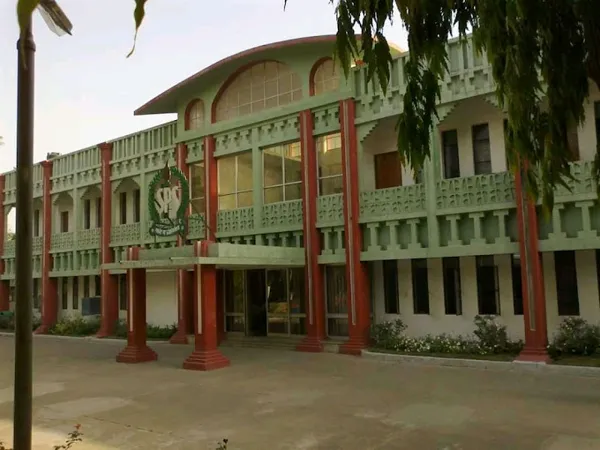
(575, 336)
(7, 323)
(152, 331)
(72, 438)
(489, 338)
(76, 326)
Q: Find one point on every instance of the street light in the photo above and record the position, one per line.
(59, 23)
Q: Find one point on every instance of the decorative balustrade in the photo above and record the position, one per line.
(238, 221)
(37, 245)
(80, 168)
(9, 249)
(330, 210)
(61, 242)
(581, 187)
(196, 226)
(282, 215)
(395, 203)
(128, 234)
(476, 193)
(88, 238)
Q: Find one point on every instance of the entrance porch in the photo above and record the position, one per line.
(198, 267)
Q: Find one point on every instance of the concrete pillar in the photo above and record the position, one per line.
(4, 285)
(315, 301)
(359, 319)
(49, 305)
(184, 304)
(137, 350)
(206, 355)
(109, 283)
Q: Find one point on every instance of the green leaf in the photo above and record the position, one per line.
(138, 15)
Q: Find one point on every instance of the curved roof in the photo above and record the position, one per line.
(167, 101)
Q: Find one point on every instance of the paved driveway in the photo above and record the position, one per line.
(271, 400)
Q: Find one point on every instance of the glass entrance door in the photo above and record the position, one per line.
(337, 304)
(234, 298)
(286, 312)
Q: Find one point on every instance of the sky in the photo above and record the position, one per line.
(86, 88)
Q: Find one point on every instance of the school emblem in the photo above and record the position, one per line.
(168, 199)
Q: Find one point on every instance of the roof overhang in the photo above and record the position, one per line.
(167, 102)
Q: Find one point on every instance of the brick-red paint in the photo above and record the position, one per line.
(4, 285)
(536, 338)
(109, 290)
(315, 302)
(49, 304)
(356, 271)
(184, 294)
(136, 350)
(206, 355)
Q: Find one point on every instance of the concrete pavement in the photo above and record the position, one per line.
(272, 399)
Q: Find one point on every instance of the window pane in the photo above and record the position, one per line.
(328, 186)
(296, 289)
(329, 151)
(197, 184)
(293, 192)
(198, 205)
(451, 158)
(452, 291)
(244, 171)
(420, 280)
(274, 194)
(336, 290)
(244, 199)
(390, 286)
(272, 166)
(293, 163)
(567, 293)
(517, 285)
(226, 170)
(227, 202)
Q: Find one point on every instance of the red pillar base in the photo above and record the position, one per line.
(310, 344)
(206, 360)
(354, 346)
(534, 355)
(179, 338)
(42, 329)
(132, 354)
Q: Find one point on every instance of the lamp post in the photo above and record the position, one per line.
(56, 21)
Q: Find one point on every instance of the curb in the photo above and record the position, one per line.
(92, 339)
(507, 366)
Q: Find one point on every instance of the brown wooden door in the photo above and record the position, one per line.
(388, 170)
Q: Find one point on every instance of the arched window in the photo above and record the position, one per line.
(326, 78)
(194, 115)
(263, 86)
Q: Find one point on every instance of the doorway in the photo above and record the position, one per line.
(257, 307)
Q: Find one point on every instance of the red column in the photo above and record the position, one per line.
(206, 355)
(211, 208)
(184, 305)
(109, 288)
(137, 350)
(4, 285)
(534, 300)
(315, 302)
(49, 304)
(356, 272)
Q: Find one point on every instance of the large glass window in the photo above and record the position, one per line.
(488, 292)
(420, 281)
(263, 86)
(197, 188)
(482, 155)
(235, 181)
(390, 286)
(329, 160)
(451, 158)
(567, 293)
(285, 301)
(326, 78)
(282, 173)
(337, 306)
(233, 289)
(195, 115)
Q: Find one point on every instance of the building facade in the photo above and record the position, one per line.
(315, 230)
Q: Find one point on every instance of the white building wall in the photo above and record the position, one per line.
(161, 298)
(437, 322)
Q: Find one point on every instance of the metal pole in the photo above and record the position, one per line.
(23, 260)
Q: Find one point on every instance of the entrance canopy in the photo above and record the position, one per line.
(232, 256)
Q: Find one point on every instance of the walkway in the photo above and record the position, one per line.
(286, 400)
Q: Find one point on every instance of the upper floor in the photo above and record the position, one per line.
(461, 203)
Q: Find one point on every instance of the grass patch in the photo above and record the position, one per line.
(491, 357)
(577, 360)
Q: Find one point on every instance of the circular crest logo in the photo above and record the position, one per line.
(168, 199)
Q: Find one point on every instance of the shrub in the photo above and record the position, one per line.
(7, 323)
(493, 336)
(152, 331)
(385, 335)
(575, 336)
(76, 326)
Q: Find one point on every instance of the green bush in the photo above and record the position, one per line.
(575, 336)
(76, 326)
(489, 338)
(152, 331)
(7, 323)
